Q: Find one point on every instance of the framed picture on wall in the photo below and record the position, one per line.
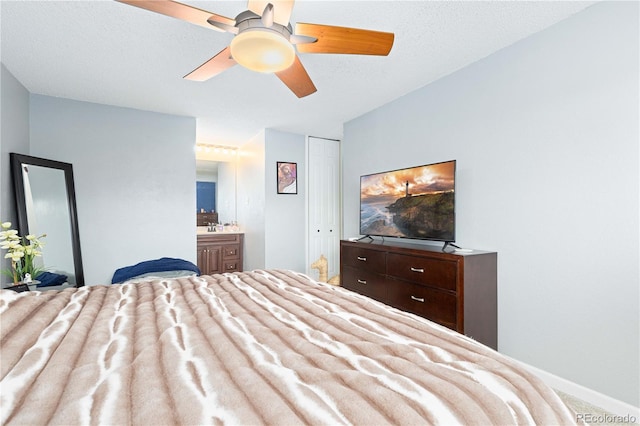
(287, 177)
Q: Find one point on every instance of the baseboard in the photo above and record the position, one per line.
(598, 399)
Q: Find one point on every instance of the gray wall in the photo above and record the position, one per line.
(134, 177)
(14, 137)
(546, 137)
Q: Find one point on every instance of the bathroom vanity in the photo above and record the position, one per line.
(220, 252)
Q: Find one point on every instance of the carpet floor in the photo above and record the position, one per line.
(594, 415)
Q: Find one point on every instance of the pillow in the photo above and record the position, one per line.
(48, 279)
(149, 267)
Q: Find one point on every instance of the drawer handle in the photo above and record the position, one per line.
(418, 299)
(363, 259)
(417, 270)
(362, 282)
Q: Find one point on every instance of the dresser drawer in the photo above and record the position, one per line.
(437, 306)
(230, 266)
(364, 282)
(358, 257)
(423, 270)
(230, 252)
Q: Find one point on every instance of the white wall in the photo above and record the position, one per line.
(226, 191)
(206, 176)
(285, 233)
(274, 224)
(134, 178)
(546, 137)
(251, 201)
(14, 137)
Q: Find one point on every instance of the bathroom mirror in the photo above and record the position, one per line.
(223, 174)
(46, 204)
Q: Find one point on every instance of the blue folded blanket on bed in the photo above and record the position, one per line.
(147, 267)
(48, 279)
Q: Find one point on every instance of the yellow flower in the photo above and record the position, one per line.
(10, 234)
(11, 245)
(21, 251)
(15, 256)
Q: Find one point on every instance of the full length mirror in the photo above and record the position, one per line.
(46, 204)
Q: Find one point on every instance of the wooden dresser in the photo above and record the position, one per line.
(220, 252)
(457, 290)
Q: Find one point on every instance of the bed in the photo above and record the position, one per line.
(259, 347)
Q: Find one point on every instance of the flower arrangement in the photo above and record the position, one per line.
(22, 251)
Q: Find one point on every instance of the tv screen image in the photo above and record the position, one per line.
(415, 202)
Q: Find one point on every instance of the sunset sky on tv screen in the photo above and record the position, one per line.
(422, 180)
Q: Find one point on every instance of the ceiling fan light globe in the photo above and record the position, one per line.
(262, 51)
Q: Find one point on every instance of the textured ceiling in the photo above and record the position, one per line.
(116, 54)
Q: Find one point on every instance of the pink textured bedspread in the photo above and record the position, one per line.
(261, 347)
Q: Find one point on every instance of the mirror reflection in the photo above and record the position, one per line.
(45, 197)
(45, 204)
(215, 185)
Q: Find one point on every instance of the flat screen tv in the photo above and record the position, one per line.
(415, 202)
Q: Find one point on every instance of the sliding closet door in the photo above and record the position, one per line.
(324, 203)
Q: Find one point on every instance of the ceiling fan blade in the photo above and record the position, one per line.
(281, 9)
(213, 66)
(297, 79)
(181, 11)
(344, 40)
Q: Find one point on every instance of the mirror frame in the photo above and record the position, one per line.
(17, 160)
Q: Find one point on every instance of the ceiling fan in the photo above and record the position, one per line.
(264, 40)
